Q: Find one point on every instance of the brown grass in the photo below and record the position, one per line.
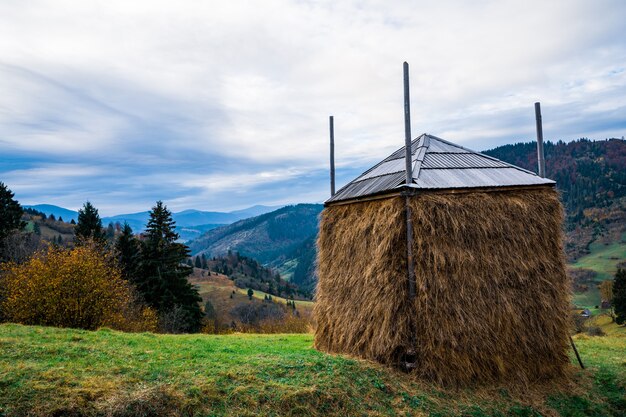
(492, 293)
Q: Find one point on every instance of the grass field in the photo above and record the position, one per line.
(603, 259)
(58, 372)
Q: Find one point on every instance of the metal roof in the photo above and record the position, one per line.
(437, 164)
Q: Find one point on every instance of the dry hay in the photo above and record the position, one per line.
(492, 294)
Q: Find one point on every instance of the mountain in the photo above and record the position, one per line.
(591, 177)
(49, 209)
(190, 223)
(283, 239)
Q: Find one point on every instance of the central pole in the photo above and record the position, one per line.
(410, 355)
(407, 125)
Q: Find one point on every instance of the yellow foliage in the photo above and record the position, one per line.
(79, 288)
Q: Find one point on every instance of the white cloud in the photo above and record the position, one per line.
(157, 83)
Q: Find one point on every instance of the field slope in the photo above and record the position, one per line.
(48, 371)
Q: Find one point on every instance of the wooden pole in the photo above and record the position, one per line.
(580, 362)
(332, 155)
(541, 162)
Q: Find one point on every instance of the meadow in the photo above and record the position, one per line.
(603, 260)
(56, 372)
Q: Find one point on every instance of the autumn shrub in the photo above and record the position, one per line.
(78, 288)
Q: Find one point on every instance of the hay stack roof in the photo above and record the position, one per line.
(437, 164)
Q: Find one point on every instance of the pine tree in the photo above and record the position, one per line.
(163, 281)
(37, 229)
(198, 264)
(10, 213)
(60, 218)
(110, 234)
(52, 218)
(89, 224)
(619, 296)
(250, 293)
(72, 221)
(128, 253)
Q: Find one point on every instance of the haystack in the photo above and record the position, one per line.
(491, 296)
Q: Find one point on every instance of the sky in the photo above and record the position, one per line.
(215, 105)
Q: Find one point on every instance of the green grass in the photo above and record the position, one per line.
(602, 259)
(49, 371)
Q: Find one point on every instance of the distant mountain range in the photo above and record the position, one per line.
(190, 223)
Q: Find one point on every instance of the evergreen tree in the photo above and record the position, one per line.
(250, 293)
(52, 218)
(128, 253)
(60, 218)
(37, 229)
(619, 296)
(163, 279)
(189, 262)
(72, 221)
(89, 224)
(198, 264)
(10, 213)
(110, 234)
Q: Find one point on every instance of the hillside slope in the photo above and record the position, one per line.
(270, 238)
(591, 177)
(64, 372)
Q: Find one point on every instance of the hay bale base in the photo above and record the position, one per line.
(492, 294)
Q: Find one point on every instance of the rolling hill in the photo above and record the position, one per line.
(281, 239)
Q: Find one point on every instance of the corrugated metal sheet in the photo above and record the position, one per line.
(474, 177)
(438, 164)
(460, 160)
(369, 186)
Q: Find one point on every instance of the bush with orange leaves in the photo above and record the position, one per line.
(79, 288)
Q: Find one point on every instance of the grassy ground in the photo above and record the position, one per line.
(603, 259)
(48, 371)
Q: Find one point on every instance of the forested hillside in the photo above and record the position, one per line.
(247, 273)
(591, 177)
(278, 239)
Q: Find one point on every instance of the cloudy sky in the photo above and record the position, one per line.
(222, 105)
